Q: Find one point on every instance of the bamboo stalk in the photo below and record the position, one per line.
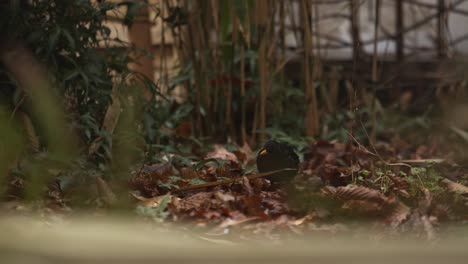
(399, 30)
(262, 19)
(243, 101)
(196, 67)
(441, 25)
(355, 32)
(263, 83)
(215, 47)
(317, 68)
(374, 73)
(311, 118)
(163, 66)
(234, 33)
(282, 42)
(376, 36)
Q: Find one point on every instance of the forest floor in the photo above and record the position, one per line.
(395, 187)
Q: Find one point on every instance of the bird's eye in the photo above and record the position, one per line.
(263, 152)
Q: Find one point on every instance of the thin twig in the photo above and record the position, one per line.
(17, 106)
(375, 153)
(360, 145)
(237, 179)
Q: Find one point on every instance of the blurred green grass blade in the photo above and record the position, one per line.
(11, 145)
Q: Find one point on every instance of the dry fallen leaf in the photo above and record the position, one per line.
(154, 201)
(455, 187)
(245, 154)
(360, 193)
(220, 152)
(426, 201)
(159, 170)
(224, 197)
(229, 222)
(197, 201)
(301, 221)
(184, 130)
(397, 212)
(247, 187)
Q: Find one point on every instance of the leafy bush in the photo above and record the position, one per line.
(84, 63)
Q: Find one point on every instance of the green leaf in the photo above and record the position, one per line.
(202, 163)
(106, 6)
(133, 8)
(417, 170)
(54, 38)
(85, 78)
(159, 212)
(168, 185)
(175, 178)
(462, 133)
(179, 79)
(70, 39)
(196, 182)
(71, 75)
(182, 112)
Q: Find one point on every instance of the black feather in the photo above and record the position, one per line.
(275, 156)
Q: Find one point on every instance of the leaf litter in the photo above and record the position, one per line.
(339, 185)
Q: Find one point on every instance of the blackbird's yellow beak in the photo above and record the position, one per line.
(263, 152)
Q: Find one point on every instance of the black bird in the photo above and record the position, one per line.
(276, 156)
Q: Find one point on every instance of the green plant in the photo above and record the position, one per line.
(340, 123)
(428, 178)
(158, 213)
(83, 61)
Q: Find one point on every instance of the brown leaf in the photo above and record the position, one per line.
(184, 130)
(197, 201)
(245, 154)
(455, 187)
(426, 202)
(158, 171)
(146, 180)
(189, 173)
(247, 187)
(155, 201)
(399, 183)
(253, 205)
(328, 190)
(362, 208)
(397, 212)
(360, 193)
(224, 197)
(442, 212)
(301, 221)
(220, 152)
(145, 184)
(274, 203)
